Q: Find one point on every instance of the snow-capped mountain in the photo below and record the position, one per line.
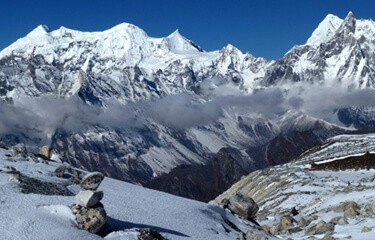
(135, 107)
(338, 51)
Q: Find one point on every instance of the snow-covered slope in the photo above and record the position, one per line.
(37, 216)
(316, 194)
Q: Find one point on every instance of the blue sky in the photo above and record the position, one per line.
(265, 28)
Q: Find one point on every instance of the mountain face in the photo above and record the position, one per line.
(338, 51)
(330, 185)
(136, 107)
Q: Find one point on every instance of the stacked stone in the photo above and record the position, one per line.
(88, 209)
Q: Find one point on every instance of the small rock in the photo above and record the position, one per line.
(294, 230)
(339, 220)
(60, 170)
(303, 222)
(276, 229)
(20, 149)
(328, 236)
(320, 228)
(148, 234)
(88, 198)
(90, 219)
(366, 229)
(287, 222)
(367, 210)
(243, 206)
(256, 235)
(266, 228)
(46, 151)
(350, 209)
(92, 181)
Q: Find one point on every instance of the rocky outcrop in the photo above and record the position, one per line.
(88, 210)
(242, 205)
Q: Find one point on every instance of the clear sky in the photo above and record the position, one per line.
(265, 28)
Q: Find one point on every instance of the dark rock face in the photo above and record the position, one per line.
(366, 161)
(205, 182)
(32, 185)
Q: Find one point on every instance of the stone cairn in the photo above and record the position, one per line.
(88, 209)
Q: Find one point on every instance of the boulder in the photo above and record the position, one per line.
(60, 170)
(287, 222)
(88, 198)
(46, 151)
(90, 219)
(366, 229)
(339, 220)
(266, 228)
(243, 206)
(350, 209)
(320, 228)
(92, 181)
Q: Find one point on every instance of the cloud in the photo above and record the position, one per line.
(40, 117)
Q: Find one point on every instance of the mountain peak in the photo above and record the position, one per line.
(350, 15)
(348, 25)
(38, 31)
(325, 30)
(178, 43)
(175, 34)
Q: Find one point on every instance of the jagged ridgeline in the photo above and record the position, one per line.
(136, 107)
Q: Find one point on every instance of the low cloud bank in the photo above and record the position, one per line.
(42, 116)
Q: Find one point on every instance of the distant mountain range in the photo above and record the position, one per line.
(136, 107)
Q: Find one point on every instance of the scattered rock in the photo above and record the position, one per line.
(92, 181)
(88, 198)
(328, 236)
(303, 222)
(287, 222)
(20, 149)
(90, 219)
(256, 235)
(321, 228)
(148, 234)
(266, 228)
(350, 209)
(294, 230)
(60, 170)
(46, 151)
(243, 206)
(366, 229)
(339, 220)
(367, 210)
(9, 169)
(276, 229)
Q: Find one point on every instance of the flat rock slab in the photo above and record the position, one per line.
(88, 198)
(92, 181)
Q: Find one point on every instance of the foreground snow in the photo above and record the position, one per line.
(34, 216)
